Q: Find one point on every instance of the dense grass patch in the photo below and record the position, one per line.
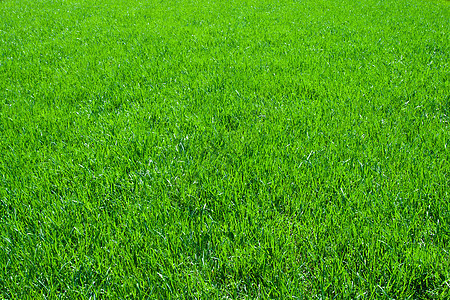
(224, 149)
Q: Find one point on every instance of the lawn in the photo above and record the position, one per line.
(252, 149)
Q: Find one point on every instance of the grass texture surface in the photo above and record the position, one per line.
(252, 149)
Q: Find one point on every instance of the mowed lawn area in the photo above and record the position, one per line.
(212, 149)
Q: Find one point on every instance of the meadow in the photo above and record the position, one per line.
(206, 149)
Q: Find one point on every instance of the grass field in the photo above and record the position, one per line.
(248, 149)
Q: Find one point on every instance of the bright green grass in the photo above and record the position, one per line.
(224, 149)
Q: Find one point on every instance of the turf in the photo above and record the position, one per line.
(224, 149)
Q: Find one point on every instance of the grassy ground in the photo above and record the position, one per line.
(224, 149)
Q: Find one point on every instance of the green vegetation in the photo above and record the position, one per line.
(224, 149)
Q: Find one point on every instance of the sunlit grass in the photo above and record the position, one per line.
(224, 149)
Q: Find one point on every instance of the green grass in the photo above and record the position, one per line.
(224, 149)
